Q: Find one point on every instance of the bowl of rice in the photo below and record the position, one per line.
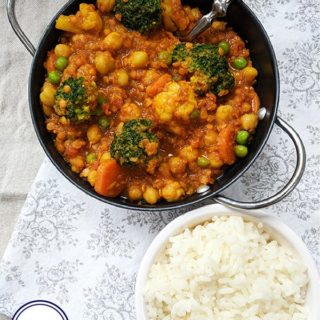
(216, 263)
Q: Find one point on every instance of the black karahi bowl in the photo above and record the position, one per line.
(247, 25)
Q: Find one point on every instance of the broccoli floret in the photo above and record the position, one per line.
(140, 15)
(179, 52)
(209, 70)
(135, 144)
(71, 100)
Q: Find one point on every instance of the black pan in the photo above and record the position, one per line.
(246, 24)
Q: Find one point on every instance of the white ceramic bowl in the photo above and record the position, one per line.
(277, 229)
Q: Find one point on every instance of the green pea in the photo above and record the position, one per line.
(195, 114)
(242, 137)
(54, 77)
(240, 63)
(61, 63)
(94, 85)
(91, 157)
(165, 56)
(203, 162)
(104, 122)
(225, 46)
(240, 151)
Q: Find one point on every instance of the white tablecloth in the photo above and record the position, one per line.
(83, 255)
(20, 153)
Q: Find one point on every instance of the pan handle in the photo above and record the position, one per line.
(298, 172)
(17, 29)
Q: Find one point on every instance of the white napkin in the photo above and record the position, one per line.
(83, 254)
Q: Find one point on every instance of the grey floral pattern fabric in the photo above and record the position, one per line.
(111, 297)
(83, 254)
(56, 278)
(110, 238)
(49, 216)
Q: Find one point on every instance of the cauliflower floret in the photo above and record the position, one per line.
(86, 19)
(176, 101)
(91, 18)
(164, 102)
(175, 16)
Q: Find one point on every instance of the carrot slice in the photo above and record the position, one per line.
(226, 145)
(110, 179)
(158, 85)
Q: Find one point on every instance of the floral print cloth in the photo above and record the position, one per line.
(83, 255)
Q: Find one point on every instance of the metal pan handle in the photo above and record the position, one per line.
(298, 172)
(17, 29)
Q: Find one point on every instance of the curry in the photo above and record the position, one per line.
(140, 114)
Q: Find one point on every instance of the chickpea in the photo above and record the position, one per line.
(62, 136)
(62, 50)
(64, 120)
(215, 161)
(177, 165)
(94, 134)
(50, 126)
(189, 154)
(139, 59)
(249, 121)
(250, 73)
(134, 193)
(92, 177)
(104, 62)
(77, 164)
(122, 77)
(164, 169)
(105, 6)
(113, 41)
(47, 96)
(210, 137)
(105, 156)
(60, 146)
(172, 191)
(85, 172)
(246, 107)
(224, 113)
(151, 195)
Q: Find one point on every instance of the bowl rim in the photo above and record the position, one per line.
(200, 215)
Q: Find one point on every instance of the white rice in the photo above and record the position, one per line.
(227, 269)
